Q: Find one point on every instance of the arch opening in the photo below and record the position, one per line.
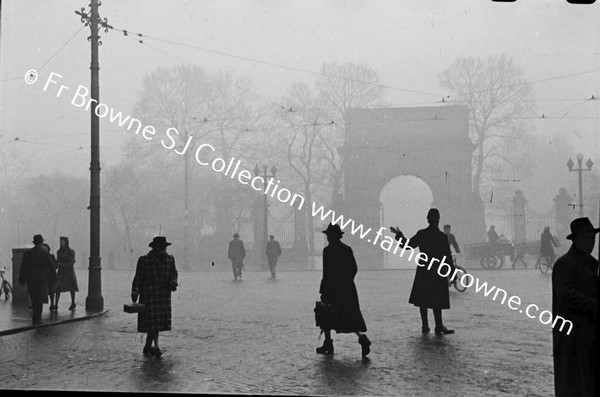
(404, 202)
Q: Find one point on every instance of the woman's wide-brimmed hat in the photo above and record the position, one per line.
(333, 230)
(38, 239)
(581, 225)
(159, 241)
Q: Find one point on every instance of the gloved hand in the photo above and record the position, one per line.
(134, 296)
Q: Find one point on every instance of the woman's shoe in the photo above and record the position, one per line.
(443, 331)
(425, 330)
(327, 347)
(157, 352)
(365, 343)
(148, 351)
(72, 307)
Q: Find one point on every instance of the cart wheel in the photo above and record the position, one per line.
(457, 281)
(484, 262)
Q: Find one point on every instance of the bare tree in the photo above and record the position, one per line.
(343, 87)
(303, 144)
(499, 99)
(202, 108)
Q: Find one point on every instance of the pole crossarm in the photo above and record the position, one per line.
(86, 19)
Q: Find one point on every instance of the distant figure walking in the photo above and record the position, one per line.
(492, 235)
(547, 244)
(338, 288)
(237, 253)
(37, 271)
(65, 257)
(54, 286)
(155, 279)
(574, 297)
(430, 290)
(273, 253)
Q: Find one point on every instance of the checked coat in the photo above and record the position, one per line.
(155, 278)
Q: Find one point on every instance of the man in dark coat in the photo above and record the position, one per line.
(37, 271)
(273, 253)
(451, 239)
(574, 298)
(338, 288)
(237, 253)
(155, 279)
(430, 290)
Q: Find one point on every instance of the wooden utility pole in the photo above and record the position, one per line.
(94, 300)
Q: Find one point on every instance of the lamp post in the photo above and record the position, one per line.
(580, 170)
(261, 257)
(94, 300)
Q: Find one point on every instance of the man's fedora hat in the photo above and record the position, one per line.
(333, 230)
(581, 225)
(433, 214)
(38, 239)
(159, 241)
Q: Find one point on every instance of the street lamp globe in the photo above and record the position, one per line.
(579, 157)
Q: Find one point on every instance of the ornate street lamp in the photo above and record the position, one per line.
(262, 257)
(580, 170)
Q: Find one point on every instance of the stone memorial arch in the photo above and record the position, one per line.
(430, 143)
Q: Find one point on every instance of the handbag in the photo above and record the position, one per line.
(134, 307)
(326, 315)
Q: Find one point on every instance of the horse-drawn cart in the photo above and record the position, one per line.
(491, 256)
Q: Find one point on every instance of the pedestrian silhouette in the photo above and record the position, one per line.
(273, 253)
(37, 271)
(430, 289)
(492, 236)
(65, 258)
(338, 288)
(237, 253)
(574, 298)
(155, 279)
(54, 286)
(546, 244)
(451, 239)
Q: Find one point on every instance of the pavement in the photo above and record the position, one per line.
(257, 336)
(15, 317)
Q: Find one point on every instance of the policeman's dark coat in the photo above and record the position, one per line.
(429, 289)
(155, 276)
(574, 297)
(338, 288)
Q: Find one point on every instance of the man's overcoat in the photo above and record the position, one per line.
(37, 271)
(429, 289)
(574, 289)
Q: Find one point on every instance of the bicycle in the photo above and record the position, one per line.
(544, 262)
(5, 287)
(460, 272)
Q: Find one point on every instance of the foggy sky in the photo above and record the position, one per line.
(408, 42)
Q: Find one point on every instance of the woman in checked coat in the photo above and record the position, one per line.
(155, 279)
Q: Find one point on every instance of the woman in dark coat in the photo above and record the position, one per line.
(65, 258)
(53, 290)
(337, 288)
(430, 290)
(155, 279)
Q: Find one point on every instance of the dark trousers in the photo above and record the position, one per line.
(272, 264)
(37, 311)
(237, 265)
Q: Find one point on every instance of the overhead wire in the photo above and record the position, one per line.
(51, 57)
